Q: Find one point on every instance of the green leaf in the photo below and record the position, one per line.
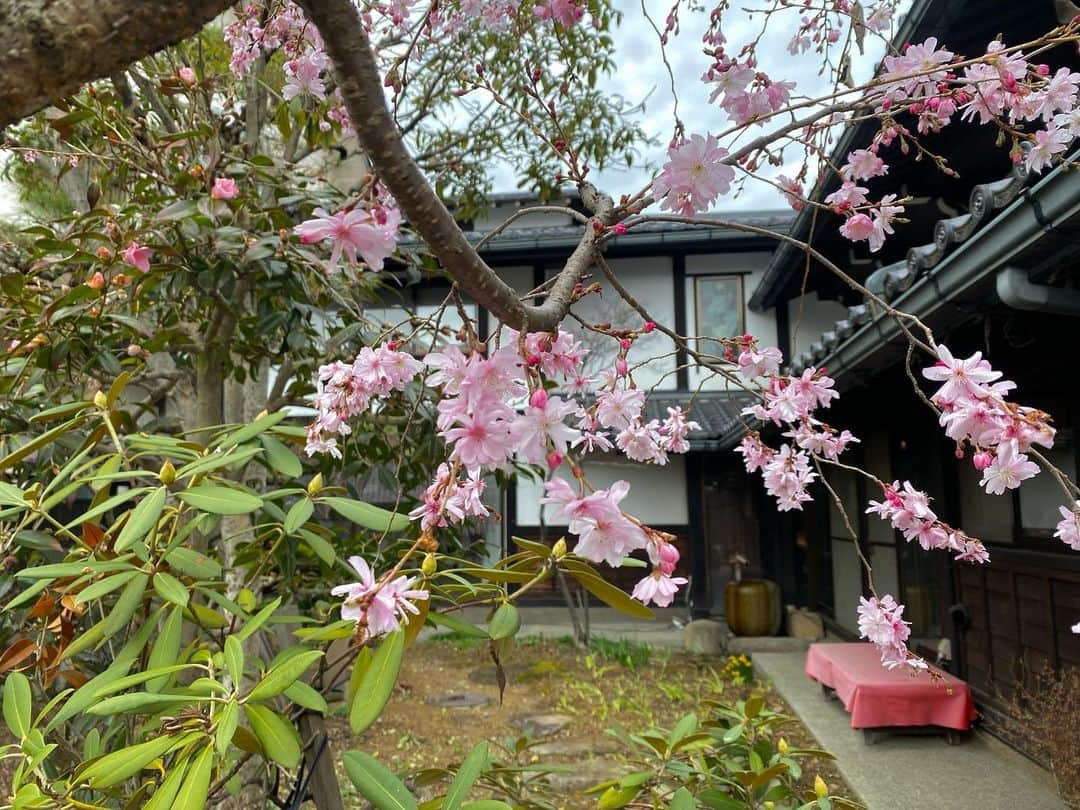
(249, 432)
(14, 457)
(451, 622)
(323, 550)
(197, 785)
(281, 458)
(104, 586)
(166, 648)
(170, 589)
(234, 659)
(278, 679)
(377, 683)
(304, 695)
(682, 800)
(258, 620)
(299, 514)
(617, 796)
(114, 768)
(486, 804)
(193, 563)
(376, 783)
(368, 516)
(505, 623)
(165, 794)
(471, 768)
(606, 592)
(108, 505)
(139, 702)
(687, 725)
(17, 704)
(181, 209)
(11, 495)
(219, 500)
(128, 602)
(227, 720)
(277, 736)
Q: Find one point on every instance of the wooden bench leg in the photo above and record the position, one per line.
(869, 736)
(954, 737)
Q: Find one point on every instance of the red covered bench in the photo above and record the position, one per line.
(882, 698)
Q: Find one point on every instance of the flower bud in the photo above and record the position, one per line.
(553, 460)
(782, 747)
(625, 343)
(982, 460)
(315, 485)
(100, 400)
(558, 551)
(820, 788)
(648, 327)
(621, 368)
(96, 281)
(429, 566)
(539, 398)
(167, 473)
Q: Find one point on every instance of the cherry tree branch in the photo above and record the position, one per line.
(52, 47)
(347, 43)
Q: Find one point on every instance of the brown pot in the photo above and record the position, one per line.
(753, 607)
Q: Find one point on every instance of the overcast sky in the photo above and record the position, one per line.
(641, 76)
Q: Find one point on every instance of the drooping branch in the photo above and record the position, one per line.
(52, 47)
(361, 86)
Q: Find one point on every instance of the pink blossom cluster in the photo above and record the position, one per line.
(606, 534)
(259, 30)
(789, 402)
(378, 606)
(566, 13)
(451, 497)
(746, 94)
(864, 221)
(908, 511)
(881, 623)
(370, 234)
(694, 176)
(491, 15)
(1068, 530)
(974, 411)
(346, 389)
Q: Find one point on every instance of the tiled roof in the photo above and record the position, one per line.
(717, 412)
(889, 282)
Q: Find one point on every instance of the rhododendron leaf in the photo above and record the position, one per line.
(536, 548)
(366, 515)
(170, 589)
(377, 683)
(258, 620)
(322, 548)
(248, 432)
(128, 602)
(608, 593)
(496, 574)
(196, 786)
(165, 795)
(104, 586)
(505, 622)
(281, 458)
(486, 804)
(117, 766)
(219, 500)
(139, 702)
(36, 443)
(193, 563)
(277, 736)
(457, 625)
(17, 704)
(234, 659)
(11, 495)
(616, 796)
(283, 675)
(471, 768)
(416, 621)
(232, 457)
(376, 783)
(141, 520)
(682, 799)
(304, 695)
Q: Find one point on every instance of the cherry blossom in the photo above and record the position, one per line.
(694, 175)
(353, 232)
(881, 623)
(1068, 531)
(658, 588)
(224, 189)
(378, 607)
(604, 533)
(1008, 469)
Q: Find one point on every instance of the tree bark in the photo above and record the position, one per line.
(52, 47)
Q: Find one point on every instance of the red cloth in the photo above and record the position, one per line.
(877, 697)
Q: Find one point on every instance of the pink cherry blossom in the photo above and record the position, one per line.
(1068, 531)
(1049, 143)
(694, 175)
(353, 232)
(1008, 469)
(658, 588)
(566, 13)
(862, 165)
(187, 75)
(379, 607)
(138, 256)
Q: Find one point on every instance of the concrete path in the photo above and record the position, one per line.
(909, 772)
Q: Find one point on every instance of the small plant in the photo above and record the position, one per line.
(1046, 722)
(733, 759)
(738, 670)
(631, 654)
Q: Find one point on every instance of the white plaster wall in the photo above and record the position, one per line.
(657, 494)
(762, 325)
(650, 281)
(809, 316)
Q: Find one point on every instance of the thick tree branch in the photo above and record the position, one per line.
(361, 86)
(52, 47)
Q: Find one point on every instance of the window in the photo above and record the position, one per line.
(718, 304)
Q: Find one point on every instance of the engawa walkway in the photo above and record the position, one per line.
(909, 772)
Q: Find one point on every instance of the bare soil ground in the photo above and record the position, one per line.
(584, 703)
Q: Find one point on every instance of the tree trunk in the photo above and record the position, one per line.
(53, 47)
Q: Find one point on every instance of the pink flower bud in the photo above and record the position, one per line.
(553, 460)
(620, 367)
(982, 460)
(1043, 70)
(619, 228)
(533, 360)
(539, 398)
(648, 327)
(625, 343)
(96, 281)
(187, 75)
